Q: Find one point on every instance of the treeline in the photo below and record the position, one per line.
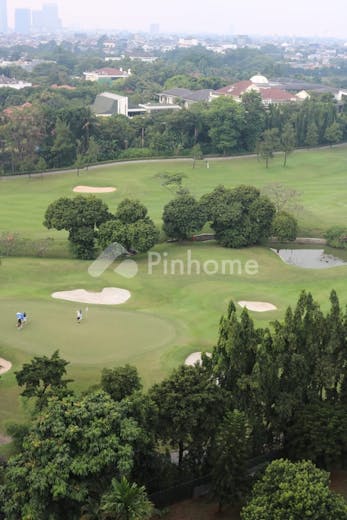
(240, 217)
(53, 134)
(93, 455)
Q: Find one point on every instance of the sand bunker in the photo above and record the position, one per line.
(93, 189)
(5, 366)
(108, 296)
(195, 358)
(258, 306)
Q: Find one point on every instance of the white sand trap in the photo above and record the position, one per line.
(93, 189)
(108, 296)
(5, 366)
(258, 306)
(195, 358)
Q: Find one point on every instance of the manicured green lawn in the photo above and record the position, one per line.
(319, 176)
(167, 317)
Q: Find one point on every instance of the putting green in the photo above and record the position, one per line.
(104, 336)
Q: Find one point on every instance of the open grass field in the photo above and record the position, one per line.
(169, 315)
(319, 176)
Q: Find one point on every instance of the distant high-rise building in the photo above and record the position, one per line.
(50, 17)
(47, 19)
(36, 21)
(22, 21)
(154, 28)
(3, 16)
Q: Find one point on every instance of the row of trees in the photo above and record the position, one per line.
(92, 226)
(54, 132)
(239, 217)
(89, 455)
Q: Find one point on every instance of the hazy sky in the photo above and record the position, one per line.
(299, 17)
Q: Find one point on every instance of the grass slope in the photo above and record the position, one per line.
(319, 176)
(168, 316)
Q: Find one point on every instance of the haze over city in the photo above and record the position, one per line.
(308, 18)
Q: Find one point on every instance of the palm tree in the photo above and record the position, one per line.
(126, 501)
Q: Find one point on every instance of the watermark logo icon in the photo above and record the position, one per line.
(127, 268)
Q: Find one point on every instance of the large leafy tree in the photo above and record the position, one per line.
(295, 491)
(120, 382)
(131, 227)
(240, 217)
(182, 217)
(226, 120)
(255, 117)
(81, 217)
(190, 406)
(71, 453)
(43, 378)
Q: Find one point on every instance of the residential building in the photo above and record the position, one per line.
(184, 95)
(108, 104)
(269, 93)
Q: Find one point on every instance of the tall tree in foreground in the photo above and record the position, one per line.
(294, 491)
(229, 459)
(71, 453)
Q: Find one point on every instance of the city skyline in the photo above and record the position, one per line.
(215, 16)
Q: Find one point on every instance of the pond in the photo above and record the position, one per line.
(312, 258)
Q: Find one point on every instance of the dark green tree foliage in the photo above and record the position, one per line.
(312, 137)
(130, 211)
(333, 133)
(120, 382)
(240, 217)
(72, 452)
(131, 227)
(273, 374)
(284, 227)
(269, 143)
(296, 491)
(43, 378)
(255, 118)
(226, 120)
(190, 406)
(126, 501)
(318, 432)
(63, 150)
(80, 216)
(287, 141)
(337, 237)
(182, 217)
(229, 459)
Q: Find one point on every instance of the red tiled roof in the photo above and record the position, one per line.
(276, 94)
(237, 89)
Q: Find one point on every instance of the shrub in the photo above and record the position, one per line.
(284, 227)
(337, 237)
